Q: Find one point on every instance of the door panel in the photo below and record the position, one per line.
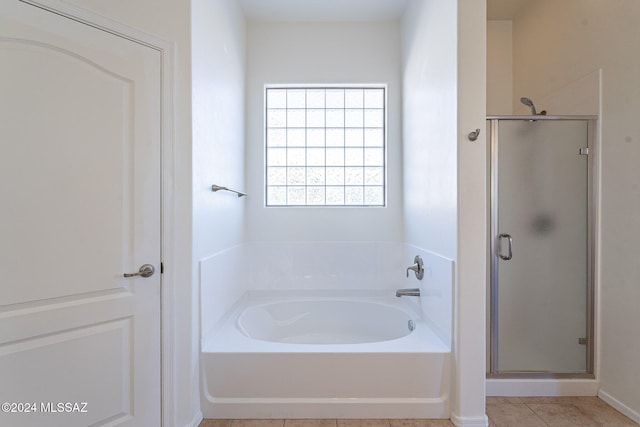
(80, 190)
(84, 378)
(60, 159)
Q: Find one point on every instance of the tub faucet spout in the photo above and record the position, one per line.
(411, 292)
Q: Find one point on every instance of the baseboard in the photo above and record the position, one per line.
(283, 408)
(482, 421)
(196, 420)
(619, 406)
(542, 387)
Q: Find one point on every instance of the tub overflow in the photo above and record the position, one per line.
(411, 325)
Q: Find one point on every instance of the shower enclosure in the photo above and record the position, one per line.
(542, 251)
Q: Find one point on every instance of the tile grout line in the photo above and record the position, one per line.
(535, 413)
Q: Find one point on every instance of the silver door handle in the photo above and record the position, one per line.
(146, 270)
(510, 240)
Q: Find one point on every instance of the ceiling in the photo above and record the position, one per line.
(323, 10)
(353, 10)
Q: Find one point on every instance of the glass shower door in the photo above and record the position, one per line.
(541, 257)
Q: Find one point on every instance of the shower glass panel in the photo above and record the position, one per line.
(541, 256)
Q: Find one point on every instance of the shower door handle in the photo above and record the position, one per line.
(510, 240)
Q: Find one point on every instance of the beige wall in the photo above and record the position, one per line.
(560, 46)
(499, 68)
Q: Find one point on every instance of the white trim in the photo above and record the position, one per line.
(196, 420)
(166, 50)
(619, 406)
(325, 85)
(169, 280)
(542, 387)
(597, 235)
(319, 407)
(286, 186)
(482, 421)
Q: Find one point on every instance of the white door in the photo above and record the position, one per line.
(79, 206)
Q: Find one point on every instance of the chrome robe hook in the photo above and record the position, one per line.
(474, 135)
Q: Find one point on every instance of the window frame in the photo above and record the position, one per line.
(384, 128)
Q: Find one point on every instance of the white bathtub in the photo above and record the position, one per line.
(311, 355)
(325, 321)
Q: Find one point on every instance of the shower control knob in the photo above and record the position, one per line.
(146, 270)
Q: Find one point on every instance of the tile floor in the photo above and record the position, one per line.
(502, 412)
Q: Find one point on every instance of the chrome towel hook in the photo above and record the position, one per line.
(474, 135)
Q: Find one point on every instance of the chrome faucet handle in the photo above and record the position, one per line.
(417, 267)
(414, 267)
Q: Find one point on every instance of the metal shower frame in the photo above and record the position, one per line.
(592, 211)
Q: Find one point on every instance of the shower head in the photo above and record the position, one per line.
(529, 103)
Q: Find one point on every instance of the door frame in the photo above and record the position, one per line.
(592, 244)
(167, 167)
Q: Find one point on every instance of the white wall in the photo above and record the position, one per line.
(557, 44)
(429, 62)
(470, 310)
(218, 58)
(444, 85)
(371, 53)
(335, 248)
(218, 62)
(316, 52)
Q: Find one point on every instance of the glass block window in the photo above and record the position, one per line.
(325, 146)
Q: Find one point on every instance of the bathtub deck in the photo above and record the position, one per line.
(225, 338)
